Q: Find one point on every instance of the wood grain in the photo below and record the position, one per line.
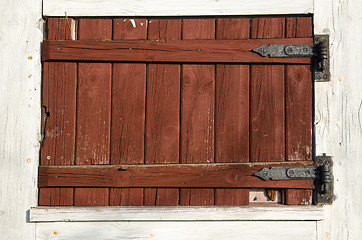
(198, 28)
(208, 175)
(232, 113)
(299, 108)
(232, 110)
(298, 197)
(126, 196)
(163, 121)
(233, 28)
(163, 112)
(267, 28)
(197, 111)
(124, 28)
(299, 97)
(267, 113)
(180, 230)
(267, 98)
(128, 111)
(55, 197)
(93, 111)
(91, 197)
(299, 27)
(59, 28)
(174, 51)
(94, 29)
(59, 104)
(164, 29)
(187, 213)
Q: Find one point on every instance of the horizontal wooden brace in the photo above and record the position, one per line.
(225, 175)
(172, 51)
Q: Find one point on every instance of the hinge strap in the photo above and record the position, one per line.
(319, 51)
(321, 173)
(285, 51)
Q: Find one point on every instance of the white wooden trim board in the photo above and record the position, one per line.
(21, 31)
(174, 7)
(90, 214)
(202, 230)
(338, 114)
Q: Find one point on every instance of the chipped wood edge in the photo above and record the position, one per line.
(173, 8)
(92, 214)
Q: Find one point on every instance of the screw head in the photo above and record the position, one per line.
(288, 50)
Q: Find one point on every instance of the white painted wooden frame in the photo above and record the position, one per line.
(91, 214)
(96, 8)
(338, 119)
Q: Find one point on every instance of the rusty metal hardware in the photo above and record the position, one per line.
(321, 173)
(319, 51)
(287, 173)
(285, 51)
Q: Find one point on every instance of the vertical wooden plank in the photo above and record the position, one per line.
(59, 100)
(162, 112)
(299, 27)
(267, 113)
(94, 29)
(233, 28)
(124, 29)
(91, 197)
(164, 29)
(126, 197)
(198, 28)
(299, 100)
(267, 99)
(232, 110)
(299, 90)
(93, 111)
(56, 196)
(59, 28)
(128, 111)
(268, 27)
(298, 197)
(162, 124)
(59, 103)
(164, 91)
(232, 99)
(232, 113)
(196, 196)
(197, 111)
(21, 74)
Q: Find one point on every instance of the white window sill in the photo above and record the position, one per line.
(184, 213)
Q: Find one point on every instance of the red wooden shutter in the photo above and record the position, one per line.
(172, 111)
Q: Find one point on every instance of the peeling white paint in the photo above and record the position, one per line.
(133, 22)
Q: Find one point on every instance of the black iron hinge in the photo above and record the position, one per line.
(319, 51)
(321, 173)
